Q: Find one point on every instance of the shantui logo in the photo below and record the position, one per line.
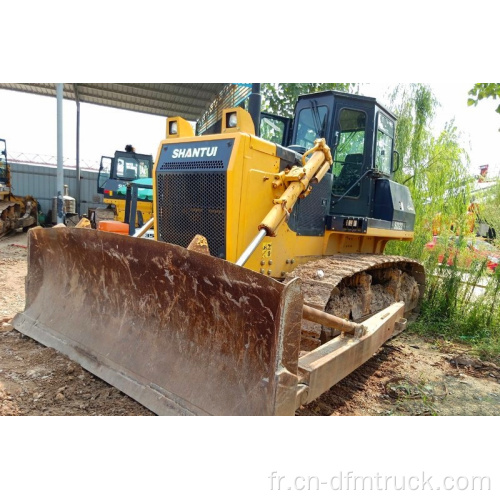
(195, 152)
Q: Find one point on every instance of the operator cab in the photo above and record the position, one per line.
(359, 191)
(123, 168)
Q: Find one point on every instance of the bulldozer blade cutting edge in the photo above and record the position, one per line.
(181, 332)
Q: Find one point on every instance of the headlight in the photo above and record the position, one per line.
(232, 120)
(172, 130)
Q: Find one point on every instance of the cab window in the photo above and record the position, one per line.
(272, 129)
(311, 126)
(349, 153)
(144, 169)
(385, 140)
(132, 169)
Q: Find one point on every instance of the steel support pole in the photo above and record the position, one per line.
(60, 162)
(78, 180)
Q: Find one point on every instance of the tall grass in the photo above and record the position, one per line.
(461, 302)
(462, 298)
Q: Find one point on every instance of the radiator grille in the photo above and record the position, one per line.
(189, 165)
(191, 203)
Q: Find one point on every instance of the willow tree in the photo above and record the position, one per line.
(434, 166)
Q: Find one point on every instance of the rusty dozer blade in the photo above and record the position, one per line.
(181, 332)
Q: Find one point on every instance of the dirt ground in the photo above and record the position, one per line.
(410, 375)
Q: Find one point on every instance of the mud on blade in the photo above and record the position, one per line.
(179, 331)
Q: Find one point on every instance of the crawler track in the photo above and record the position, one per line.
(11, 215)
(355, 286)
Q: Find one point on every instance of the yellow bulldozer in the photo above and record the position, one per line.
(16, 212)
(115, 174)
(266, 282)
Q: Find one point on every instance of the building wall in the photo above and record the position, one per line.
(40, 181)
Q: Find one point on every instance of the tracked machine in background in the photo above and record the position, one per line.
(16, 212)
(267, 282)
(115, 173)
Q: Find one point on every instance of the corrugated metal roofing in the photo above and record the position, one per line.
(189, 100)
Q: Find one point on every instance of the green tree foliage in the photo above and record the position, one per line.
(433, 167)
(484, 91)
(280, 98)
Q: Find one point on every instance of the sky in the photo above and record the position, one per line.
(29, 125)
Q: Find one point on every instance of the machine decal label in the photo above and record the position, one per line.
(194, 152)
(210, 154)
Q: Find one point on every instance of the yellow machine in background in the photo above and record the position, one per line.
(126, 167)
(267, 282)
(16, 212)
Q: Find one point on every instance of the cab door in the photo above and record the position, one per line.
(104, 173)
(352, 159)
